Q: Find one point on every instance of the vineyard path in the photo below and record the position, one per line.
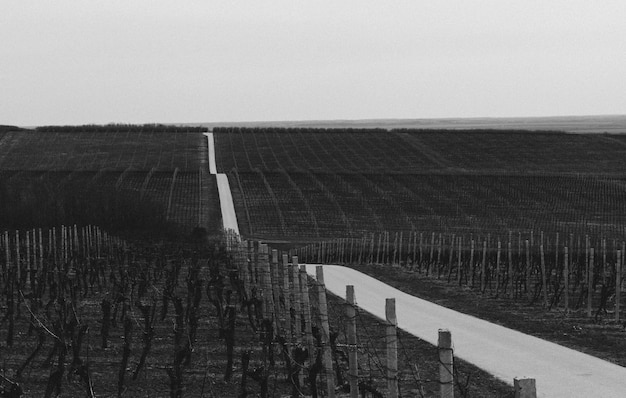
(503, 352)
(229, 217)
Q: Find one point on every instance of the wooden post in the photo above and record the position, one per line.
(287, 290)
(387, 248)
(421, 250)
(459, 265)
(76, 240)
(471, 264)
(395, 249)
(305, 304)
(618, 285)
(451, 256)
(18, 260)
(446, 360)
(511, 280)
(351, 250)
(498, 266)
(483, 268)
(528, 269)
(413, 256)
(544, 283)
(590, 282)
(392, 348)
(327, 359)
(524, 388)
(439, 243)
(27, 283)
(566, 278)
(266, 284)
(603, 278)
(556, 250)
(400, 249)
(7, 252)
(275, 281)
(353, 372)
(40, 250)
(432, 248)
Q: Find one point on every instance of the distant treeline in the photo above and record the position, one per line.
(350, 130)
(5, 128)
(161, 128)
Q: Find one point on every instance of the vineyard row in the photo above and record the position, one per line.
(575, 273)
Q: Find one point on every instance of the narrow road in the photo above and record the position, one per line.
(229, 217)
(503, 352)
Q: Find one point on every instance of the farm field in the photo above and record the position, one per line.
(598, 124)
(117, 176)
(325, 189)
(88, 314)
(319, 183)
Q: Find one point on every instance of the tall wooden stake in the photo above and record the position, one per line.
(446, 367)
(590, 281)
(353, 373)
(327, 359)
(566, 278)
(524, 388)
(392, 347)
(544, 283)
(618, 285)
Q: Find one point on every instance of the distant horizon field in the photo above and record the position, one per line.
(599, 124)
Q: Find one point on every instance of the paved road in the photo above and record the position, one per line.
(505, 353)
(229, 217)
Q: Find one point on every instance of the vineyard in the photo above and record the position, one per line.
(313, 183)
(89, 314)
(121, 177)
(165, 303)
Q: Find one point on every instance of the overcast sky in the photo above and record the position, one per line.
(136, 61)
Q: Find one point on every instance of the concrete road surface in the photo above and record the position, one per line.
(503, 352)
(229, 217)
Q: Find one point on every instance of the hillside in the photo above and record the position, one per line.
(118, 176)
(319, 183)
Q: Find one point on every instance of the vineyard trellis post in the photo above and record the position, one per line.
(459, 264)
(618, 285)
(470, 269)
(525, 388)
(483, 268)
(498, 266)
(510, 275)
(287, 289)
(353, 373)
(590, 281)
(544, 284)
(278, 313)
(528, 270)
(392, 347)
(306, 306)
(566, 279)
(327, 359)
(446, 364)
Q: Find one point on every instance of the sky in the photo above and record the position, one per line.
(192, 61)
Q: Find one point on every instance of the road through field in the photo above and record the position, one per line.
(229, 217)
(503, 352)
